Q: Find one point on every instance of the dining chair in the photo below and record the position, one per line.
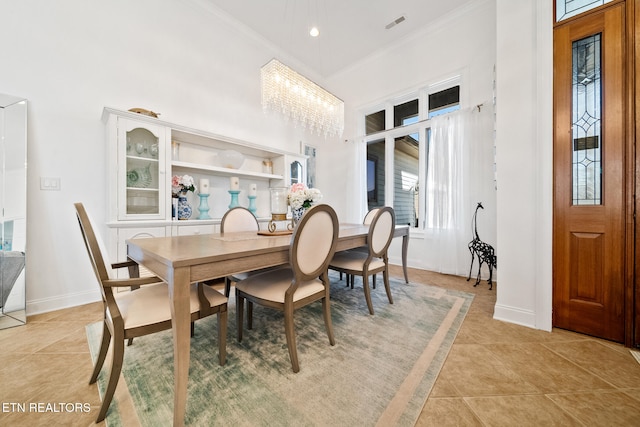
(303, 282)
(141, 311)
(235, 220)
(366, 221)
(375, 259)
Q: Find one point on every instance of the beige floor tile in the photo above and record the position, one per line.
(617, 367)
(635, 393)
(474, 371)
(443, 387)
(600, 409)
(521, 411)
(443, 412)
(545, 369)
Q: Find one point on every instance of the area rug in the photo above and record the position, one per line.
(380, 372)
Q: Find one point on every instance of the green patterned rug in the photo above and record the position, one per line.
(380, 371)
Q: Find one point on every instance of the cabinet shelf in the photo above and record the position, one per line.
(223, 171)
(142, 159)
(143, 189)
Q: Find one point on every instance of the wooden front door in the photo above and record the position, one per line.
(589, 248)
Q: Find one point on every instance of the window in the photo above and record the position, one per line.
(406, 113)
(405, 147)
(444, 101)
(568, 8)
(375, 173)
(406, 169)
(375, 122)
(372, 179)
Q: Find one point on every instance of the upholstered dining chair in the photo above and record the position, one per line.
(375, 259)
(139, 312)
(369, 216)
(303, 282)
(366, 221)
(235, 220)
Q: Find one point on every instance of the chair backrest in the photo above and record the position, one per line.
(381, 231)
(369, 216)
(314, 242)
(238, 219)
(94, 248)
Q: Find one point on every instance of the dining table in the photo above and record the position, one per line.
(182, 260)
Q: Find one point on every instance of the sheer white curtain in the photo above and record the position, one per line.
(458, 177)
(358, 177)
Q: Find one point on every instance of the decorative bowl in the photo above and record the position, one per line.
(231, 159)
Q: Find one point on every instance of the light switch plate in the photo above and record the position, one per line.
(50, 183)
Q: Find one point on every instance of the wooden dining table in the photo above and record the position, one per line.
(182, 260)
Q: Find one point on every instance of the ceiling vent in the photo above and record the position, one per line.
(394, 23)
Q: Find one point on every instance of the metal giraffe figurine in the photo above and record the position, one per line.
(482, 250)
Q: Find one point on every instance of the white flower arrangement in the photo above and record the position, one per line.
(302, 197)
(182, 184)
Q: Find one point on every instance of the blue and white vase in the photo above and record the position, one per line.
(184, 209)
(297, 214)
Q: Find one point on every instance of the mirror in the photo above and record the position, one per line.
(296, 172)
(13, 210)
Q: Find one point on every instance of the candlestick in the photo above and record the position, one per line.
(204, 186)
(234, 198)
(235, 183)
(204, 207)
(252, 204)
(253, 189)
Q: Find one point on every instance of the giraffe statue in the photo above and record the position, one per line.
(483, 251)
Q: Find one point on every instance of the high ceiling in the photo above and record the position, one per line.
(350, 30)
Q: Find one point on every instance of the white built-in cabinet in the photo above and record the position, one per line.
(144, 152)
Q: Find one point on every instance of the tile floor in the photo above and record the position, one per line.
(497, 374)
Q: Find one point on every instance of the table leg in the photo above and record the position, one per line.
(405, 249)
(181, 321)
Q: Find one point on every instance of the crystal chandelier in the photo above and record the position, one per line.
(300, 99)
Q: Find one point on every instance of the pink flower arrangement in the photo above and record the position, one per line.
(182, 184)
(302, 197)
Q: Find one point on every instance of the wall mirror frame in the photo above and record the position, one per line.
(13, 210)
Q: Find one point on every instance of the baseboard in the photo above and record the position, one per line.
(60, 302)
(515, 315)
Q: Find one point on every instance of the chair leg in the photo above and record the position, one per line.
(385, 276)
(367, 292)
(129, 342)
(249, 315)
(116, 368)
(222, 337)
(104, 347)
(326, 313)
(227, 287)
(239, 315)
(291, 338)
(193, 329)
(374, 281)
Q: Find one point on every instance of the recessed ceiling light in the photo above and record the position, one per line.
(314, 32)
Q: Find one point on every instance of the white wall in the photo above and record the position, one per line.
(524, 158)
(462, 43)
(72, 58)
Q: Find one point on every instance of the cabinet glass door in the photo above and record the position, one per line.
(143, 175)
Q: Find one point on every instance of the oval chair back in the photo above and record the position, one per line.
(369, 216)
(381, 231)
(238, 219)
(314, 242)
